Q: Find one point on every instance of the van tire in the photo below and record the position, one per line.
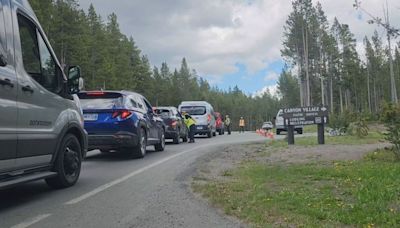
(68, 163)
(209, 134)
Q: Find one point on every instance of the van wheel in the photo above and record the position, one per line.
(139, 151)
(161, 145)
(67, 164)
(209, 134)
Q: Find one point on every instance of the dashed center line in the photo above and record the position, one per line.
(126, 177)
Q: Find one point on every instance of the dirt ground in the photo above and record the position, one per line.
(214, 167)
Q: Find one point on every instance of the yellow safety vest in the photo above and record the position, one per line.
(189, 122)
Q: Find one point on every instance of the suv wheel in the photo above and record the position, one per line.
(177, 138)
(139, 151)
(161, 145)
(67, 164)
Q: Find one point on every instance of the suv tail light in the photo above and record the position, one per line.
(124, 114)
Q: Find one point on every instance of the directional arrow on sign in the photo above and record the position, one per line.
(324, 109)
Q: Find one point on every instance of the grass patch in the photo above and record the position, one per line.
(372, 138)
(310, 129)
(361, 193)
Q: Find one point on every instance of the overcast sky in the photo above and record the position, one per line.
(228, 42)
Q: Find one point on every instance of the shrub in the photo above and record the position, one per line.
(391, 118)
(340, 122)
(358, 128)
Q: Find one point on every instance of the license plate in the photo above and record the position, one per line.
(90, 117)
(199, 128)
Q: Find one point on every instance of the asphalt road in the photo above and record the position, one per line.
(117, 192)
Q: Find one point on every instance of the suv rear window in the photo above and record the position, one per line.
(101, 101)
(194, 110)
(164, 113)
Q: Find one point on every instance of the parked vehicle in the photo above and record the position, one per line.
(267, 126)
(41, 127)
(121, 121)
(280, 125)
(175, 126)
(219, 122)
(203, 114)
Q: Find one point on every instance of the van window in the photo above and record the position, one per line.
(194, 110)
(37, 59)
(2, 32)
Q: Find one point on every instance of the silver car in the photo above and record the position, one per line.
(203, 113)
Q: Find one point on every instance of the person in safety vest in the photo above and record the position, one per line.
(228, 124)
(241, 125)
(191, 125)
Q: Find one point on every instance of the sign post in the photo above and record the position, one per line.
(305, 116)
(290, 135)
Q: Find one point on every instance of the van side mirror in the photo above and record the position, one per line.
(75, 82)
(74, 73)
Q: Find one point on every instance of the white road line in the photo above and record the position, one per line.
(31, 221)
(124, 178)
(139, 171)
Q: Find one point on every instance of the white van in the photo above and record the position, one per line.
(203, 113)
(280, 125)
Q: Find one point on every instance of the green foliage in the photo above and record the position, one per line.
(323, 54)
(358, 128)
(340, 122)
(391, 117)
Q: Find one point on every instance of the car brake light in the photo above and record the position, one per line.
(174, 123)
(123, 114)
(95, 93)
(209, 118)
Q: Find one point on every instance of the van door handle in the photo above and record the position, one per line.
(27, 89)
(6, 82)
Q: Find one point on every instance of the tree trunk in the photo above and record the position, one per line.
(392, 79)
(368, 89)
(341, 99)
(305, 46)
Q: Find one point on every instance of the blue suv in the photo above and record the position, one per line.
(122, 121)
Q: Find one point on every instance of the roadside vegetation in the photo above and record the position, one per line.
(355, 193)
(317, 193)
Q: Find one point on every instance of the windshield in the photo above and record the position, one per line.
(194, 110)
(102, 103)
